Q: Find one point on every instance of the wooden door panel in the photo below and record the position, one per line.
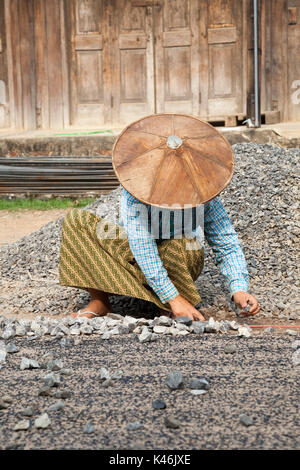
(90, 83)
(177, 85)
(221, 56)
(176, 56)
(132, 77)
(89, 51)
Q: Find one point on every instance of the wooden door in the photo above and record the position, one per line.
(90, 68)
(132, 61)
(176, 56)
(222, 57)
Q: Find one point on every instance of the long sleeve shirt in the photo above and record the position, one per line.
(209, 220)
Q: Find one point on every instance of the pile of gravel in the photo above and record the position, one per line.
(263, 203)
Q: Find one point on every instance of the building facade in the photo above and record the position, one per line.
(104, 63)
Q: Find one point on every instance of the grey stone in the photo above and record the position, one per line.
(117, 374)
(8, 332)
(174, 380)
(184, 320)
(22, 425)
(115, 316)
(104, 374)
(75, 331)
(2, 353)
(230, 349)
(269, 329)
(86, 329)
(89, 428)
(291, 332)
(171, 422)
(199, 384)
(159, 404)
(246, 420)
(145, 335)
(3, 405)
(296, 358)
(29, 364)
(106, 335)
(52, 380)
(296, 344)
(198, 392)
(234, 325)
(58, 406)
(163, 320)
(12, 348)
(20, 330)
(29, 411)
(45, 391)
(162, 330)
(42, 421)
(183, 332)
(55, 364)
(244, 331)
(67, 372)
(134, 426)
(7, 399)
(62, 394)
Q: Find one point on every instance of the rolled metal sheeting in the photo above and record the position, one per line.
(56, 175)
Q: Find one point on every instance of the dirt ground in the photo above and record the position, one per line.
(15, 225)
(258, 380)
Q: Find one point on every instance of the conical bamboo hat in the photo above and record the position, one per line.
(172, 159)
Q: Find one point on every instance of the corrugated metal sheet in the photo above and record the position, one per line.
(56, 175)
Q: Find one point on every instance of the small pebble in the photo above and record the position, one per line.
(42, 421)
(246, 420)
(22, 425)
(230, 348)
(29, 364)
(11, 348)
(134, 426)
(174, 380)
(198, 392)
(3, 405)
(58, 406)
(159, 404)
(171, 422)
(89, 428)
(29, 411)
(199, 384)
(45, 391)
(184, 320)
(291, 332)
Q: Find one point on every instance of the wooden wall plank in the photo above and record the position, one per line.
(27, 63)
(4, 91)
(41, 63)
(64, 64)
(54, 64)
(15, 76)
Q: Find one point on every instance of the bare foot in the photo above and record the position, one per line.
(96, 306)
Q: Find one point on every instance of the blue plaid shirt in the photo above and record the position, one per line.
(218, 232)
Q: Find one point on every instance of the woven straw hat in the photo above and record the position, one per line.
(172, 159)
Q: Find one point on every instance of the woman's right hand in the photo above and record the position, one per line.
(182, 308)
